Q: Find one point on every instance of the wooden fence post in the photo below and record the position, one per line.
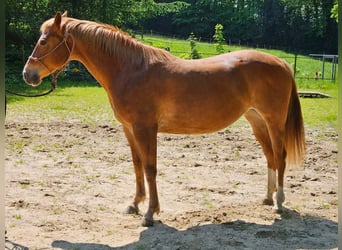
(295, 66)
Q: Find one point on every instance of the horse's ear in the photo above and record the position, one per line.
(58, 20)
(65, 14)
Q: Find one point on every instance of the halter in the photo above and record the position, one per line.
(54, 74)
(58, 71)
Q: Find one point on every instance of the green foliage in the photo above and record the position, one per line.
(334, 12)
(299, 24)
(147, 9)
(202, 15)
(24, 17)
(193, 47)
(219, 39)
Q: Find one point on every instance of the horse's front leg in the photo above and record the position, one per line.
(271, 186)
(140, 194)
(145, 140)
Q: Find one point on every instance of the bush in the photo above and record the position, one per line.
(193, 46)
(219, 39)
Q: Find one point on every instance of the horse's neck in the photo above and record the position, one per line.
(102, 67)
(108, 67)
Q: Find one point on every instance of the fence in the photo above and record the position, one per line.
(313, 66)
(333, 59)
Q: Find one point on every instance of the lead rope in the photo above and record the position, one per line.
(52, 88)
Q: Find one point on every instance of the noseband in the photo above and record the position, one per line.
(57, 72)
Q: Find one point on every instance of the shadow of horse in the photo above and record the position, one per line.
(293, 231)
(9, 245)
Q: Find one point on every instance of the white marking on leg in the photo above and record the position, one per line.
(280, 198)
(271, 185)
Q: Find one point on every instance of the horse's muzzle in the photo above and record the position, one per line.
(31, 77)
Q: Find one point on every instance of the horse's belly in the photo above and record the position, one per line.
(202, 105)
(198, 122)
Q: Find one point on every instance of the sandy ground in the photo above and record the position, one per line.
(68, 183)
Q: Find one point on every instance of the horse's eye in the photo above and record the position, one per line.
(42, 42)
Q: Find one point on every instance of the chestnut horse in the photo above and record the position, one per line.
(152, 91)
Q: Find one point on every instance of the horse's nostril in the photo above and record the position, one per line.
(25, 76)
(31, 77)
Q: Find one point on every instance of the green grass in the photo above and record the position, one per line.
(320, 112)
(85, 104)
(306, 66)
(88, 103)
(17, 216)
(181, 48)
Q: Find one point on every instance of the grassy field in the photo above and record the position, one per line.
(87, 102)
(306, 66)
(181, 48)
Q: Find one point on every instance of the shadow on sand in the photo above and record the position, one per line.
(9, 245)
(293, 231)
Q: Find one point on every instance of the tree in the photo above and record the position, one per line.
(147, 9)
(201, 15)
(273, 23)
(295, 24)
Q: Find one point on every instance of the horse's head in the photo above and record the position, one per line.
(52, 51)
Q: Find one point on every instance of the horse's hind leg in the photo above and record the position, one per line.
(139, 176)
(277, 135)
(261, 133)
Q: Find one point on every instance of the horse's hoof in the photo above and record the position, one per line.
(147, 222)
(268, 202)
(131, 210)
(277, 210)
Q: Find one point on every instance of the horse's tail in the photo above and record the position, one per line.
(294, 130)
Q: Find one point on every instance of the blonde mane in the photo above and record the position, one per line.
(112, 41)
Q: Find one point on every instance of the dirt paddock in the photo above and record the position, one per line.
(68, 183)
